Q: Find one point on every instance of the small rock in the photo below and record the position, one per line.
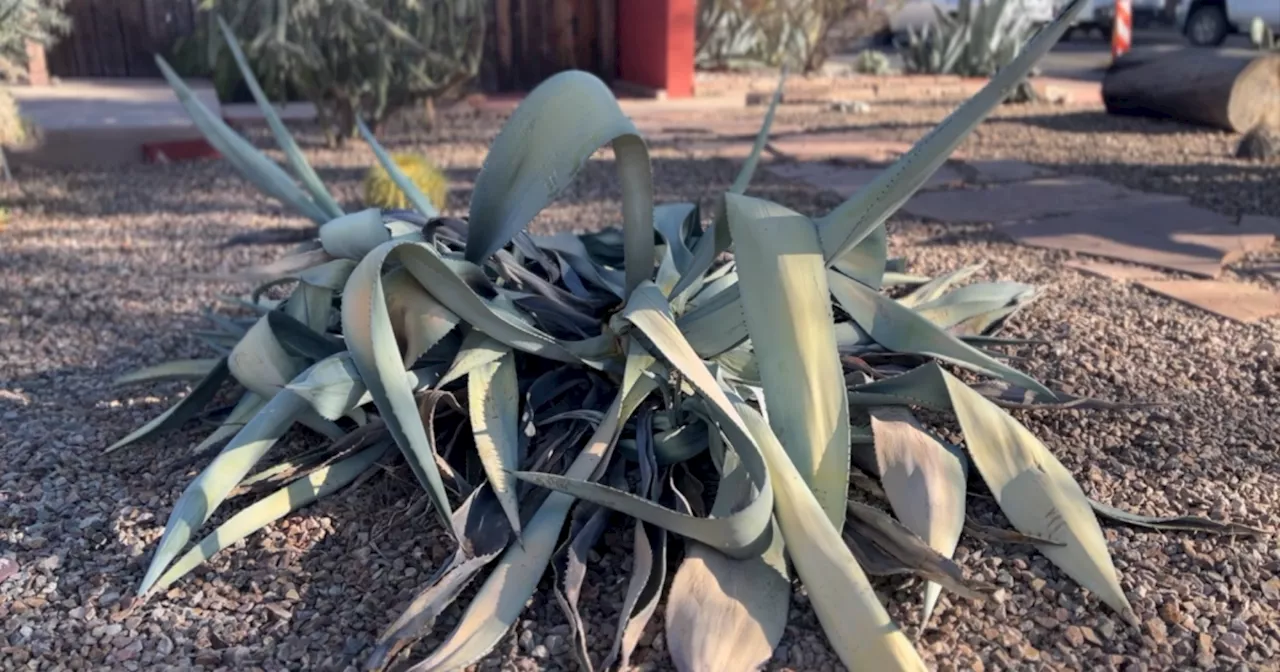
(540, 652)
(1106, 628)
(1047, 622)
(555, 644)
(526, 640)
(1075, 635)
(1231, 643)
(1091, 636)
(1156, 629)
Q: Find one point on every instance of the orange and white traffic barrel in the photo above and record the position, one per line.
(1122, 30)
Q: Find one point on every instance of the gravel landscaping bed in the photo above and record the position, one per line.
(95, 280)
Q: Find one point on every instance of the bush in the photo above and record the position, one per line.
(40, 21)
(794, 33)
(352, 59)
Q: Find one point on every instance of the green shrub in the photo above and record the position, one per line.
(40, 21)
(735, 33)
(354, 59)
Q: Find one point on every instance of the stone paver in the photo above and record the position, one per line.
(1232, 300)
(996, 171)
(847, 146)
(1023, 201)
(1116, 272)
(846, 180)
(1172, 235)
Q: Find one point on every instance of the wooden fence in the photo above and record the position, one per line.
(526, 41)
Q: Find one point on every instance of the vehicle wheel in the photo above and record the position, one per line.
(1207, 26)
(1066, 36)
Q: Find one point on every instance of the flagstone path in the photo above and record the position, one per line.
(1164, 234)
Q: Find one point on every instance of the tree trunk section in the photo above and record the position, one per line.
(1230, 89)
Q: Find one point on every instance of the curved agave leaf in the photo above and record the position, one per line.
(353, 236)
(853, 220)
(865, 262)
(1037, 493)
(500, 600)
(248, 161)
(856, 624)
(366, 324)
(788, 309)
(548, 138)
(723, 614)
(418, 320)
(273, 507)
(260, 362)
(184, 410)
(494, 397)
(181, 369)
(924, 480)
(411, 191)
(284, 139)
(900, 329)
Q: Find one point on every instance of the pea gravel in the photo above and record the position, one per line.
(96, 271)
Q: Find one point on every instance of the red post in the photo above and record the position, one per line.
(1122, 31)
(656, 44)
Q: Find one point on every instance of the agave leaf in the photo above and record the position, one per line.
(1191, 523)
(247, 160)
(283, 138)
(354, 235)
(299, 339)
(716, 325)
(182, 411)
(210, 488)
(1037, 493)
(332, 386)
(548, 138)
(240, 414)
(925, 482)
(480, 523)
(789, 317)
(515, 578)
(366, 325)
(649, 557)
(853, 220)
(260, 362)
(418, 320)
(568, 587)
(865, 262)
(273, 507)
(938, 286)
(856, 624)
(421, 202)
(571, 248)
(494, 397)
(725, 614)
(885, 547)
(182, 369)
(900, 329)
(740, 534)
(287, 266)
(477, 350)
(310, 306)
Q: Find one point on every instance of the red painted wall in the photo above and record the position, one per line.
(656, 44)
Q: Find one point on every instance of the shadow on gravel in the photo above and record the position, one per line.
(1099, 122)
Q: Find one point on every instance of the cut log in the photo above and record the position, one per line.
(1230, 89)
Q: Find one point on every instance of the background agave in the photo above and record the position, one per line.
(528, 381)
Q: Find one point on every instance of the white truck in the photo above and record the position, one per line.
(1206, 23)
(1100, 16)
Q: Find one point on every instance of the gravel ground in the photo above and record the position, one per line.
(95, 282)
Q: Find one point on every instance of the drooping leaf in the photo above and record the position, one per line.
(1037, 493)
(925, 482)
(1189, 523)
(902, 330)
(556, 129)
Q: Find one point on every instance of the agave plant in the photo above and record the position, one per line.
(533, 381)
(977, 41)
